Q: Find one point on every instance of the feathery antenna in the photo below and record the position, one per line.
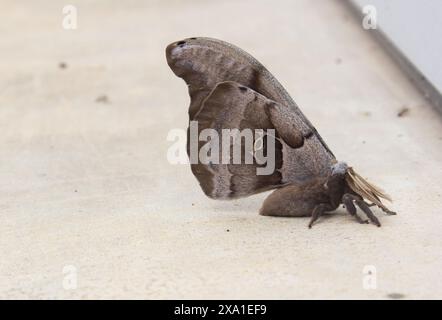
(366, 190)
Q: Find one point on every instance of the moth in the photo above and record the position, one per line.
(230, 89)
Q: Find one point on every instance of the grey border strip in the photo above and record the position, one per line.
(412, 73)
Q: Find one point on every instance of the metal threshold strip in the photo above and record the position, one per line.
(412, 72)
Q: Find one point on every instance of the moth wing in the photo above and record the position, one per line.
(288, 124)
(204, 62)
(232, 106)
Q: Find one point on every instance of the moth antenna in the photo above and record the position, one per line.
(366, 189)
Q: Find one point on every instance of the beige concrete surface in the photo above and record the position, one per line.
(87, 194)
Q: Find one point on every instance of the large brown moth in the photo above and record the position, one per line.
(229, 88)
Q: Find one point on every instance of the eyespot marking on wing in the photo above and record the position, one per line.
(308, 135)
(242, 88)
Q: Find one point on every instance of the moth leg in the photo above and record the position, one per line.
(389, 212)
(364, 207)
(318, 211)
(361, 204)
(384, 209)
(349, 205)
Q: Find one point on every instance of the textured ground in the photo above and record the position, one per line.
(90, 207)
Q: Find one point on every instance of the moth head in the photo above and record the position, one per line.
(339, 168)
(338, 171)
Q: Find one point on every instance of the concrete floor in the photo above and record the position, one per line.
(90, 207)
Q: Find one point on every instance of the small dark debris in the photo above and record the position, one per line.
(62, 65)
(193, 204)
(228, 230)
(102, 99)
(403, 112)
(366, 113)
(75, 190)
(396, 295)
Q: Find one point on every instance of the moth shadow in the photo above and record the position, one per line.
(235, 206)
